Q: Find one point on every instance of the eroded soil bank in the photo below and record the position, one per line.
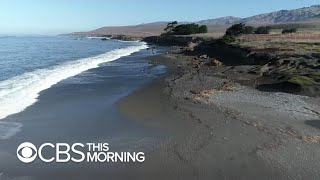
(276, 66)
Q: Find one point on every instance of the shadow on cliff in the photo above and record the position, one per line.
(230, 55)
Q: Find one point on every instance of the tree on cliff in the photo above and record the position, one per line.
(184, 29)
(236, 30)
(203, 29)
(170, 26)
(239, 29)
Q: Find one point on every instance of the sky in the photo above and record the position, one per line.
(64, 16)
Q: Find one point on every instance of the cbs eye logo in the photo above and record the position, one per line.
(27, 152)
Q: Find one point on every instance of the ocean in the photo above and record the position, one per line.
(32, 64)
(56, 89)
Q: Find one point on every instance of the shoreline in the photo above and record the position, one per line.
(199, 122)
(191, 128)
(22, 87)
(212, 138)
(72, 112)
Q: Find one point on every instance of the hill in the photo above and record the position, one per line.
(284, 16)
(220, 21)
(306, 17)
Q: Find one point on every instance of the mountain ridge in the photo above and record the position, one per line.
(220, 21)
(303, 14)
(284, 16)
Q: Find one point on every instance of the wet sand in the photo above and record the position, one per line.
(192, 123)
(81, 109)
(220, 129)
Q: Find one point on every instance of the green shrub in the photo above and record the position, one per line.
(263, 30)
(289, 30)
(248, 30)
(235, 30)
(184, 29)
(227, 39)
(239, 29)
(171, 26)
(203, 29)
(303, 80)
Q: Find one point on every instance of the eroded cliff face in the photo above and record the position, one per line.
(170, 40)
(297, 73)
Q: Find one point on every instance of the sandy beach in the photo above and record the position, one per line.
(221, 129)
(172, 90)
(192, 122)
(73, 112)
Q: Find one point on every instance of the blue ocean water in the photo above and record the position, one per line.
(29, 65)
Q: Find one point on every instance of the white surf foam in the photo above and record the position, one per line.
(96, 37)
(19, 92)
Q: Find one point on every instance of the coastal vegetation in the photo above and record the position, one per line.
(289, 30)
(227, 39)
(239, 29)
(174, 28)
(280, 62)
(263, 30)
(248, 29)
(236, 29)
(170, 26)
(233, 32)
(283, 60)
(305, 80)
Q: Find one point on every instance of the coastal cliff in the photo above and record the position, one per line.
(284, 68)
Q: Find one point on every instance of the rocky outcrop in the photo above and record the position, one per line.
(125, 38)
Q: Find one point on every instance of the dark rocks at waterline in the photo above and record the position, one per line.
(125, 38)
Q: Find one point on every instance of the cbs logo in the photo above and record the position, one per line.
(27, 152)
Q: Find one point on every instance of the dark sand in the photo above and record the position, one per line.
(81, 109)
(193, 123)
(222, 132)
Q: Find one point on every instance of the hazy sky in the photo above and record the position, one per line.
(60, 16)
